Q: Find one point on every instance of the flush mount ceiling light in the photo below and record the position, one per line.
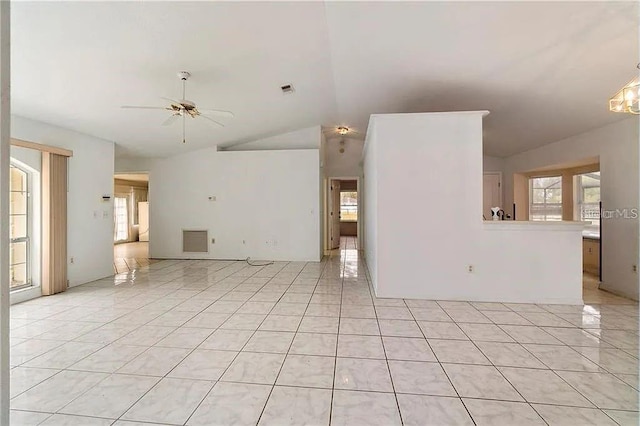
(628, 98)
(343, 130)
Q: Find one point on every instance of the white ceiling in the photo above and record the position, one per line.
(544, 70)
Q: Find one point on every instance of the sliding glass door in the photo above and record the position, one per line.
(19, 214)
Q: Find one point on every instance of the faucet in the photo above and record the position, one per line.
(500, 214)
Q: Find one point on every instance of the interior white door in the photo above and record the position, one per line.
(491, 193)
(334, 214)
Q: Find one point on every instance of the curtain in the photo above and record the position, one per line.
(54, 223)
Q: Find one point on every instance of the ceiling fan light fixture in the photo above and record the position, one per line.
(343, 130)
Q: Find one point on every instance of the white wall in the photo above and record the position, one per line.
(617, 146)
(29, 157)
(133, 164)
(427, 233)
(268, 199)
(90, 233)
(369, 199)
(492, 164)
(307, 138)
(348, 163)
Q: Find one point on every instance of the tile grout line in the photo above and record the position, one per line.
(249, 339)
(264, 407)
(438, 360)
(503, 376)
(160, 378)
(67, 368)
(386, 360)
(335, 358)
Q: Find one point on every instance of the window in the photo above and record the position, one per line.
(348, 206)
(587, 200)
(121, 219)
(545, 198)
(19, 217)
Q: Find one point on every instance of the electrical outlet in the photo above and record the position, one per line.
(244, 242)
(470, 269)
(72, 260)
(634, 268)
(213, 241)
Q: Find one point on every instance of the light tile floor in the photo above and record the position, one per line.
(221, 343)
(128, 257)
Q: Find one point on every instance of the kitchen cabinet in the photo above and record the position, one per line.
(591, 256)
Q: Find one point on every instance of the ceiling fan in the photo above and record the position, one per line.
(183, 108)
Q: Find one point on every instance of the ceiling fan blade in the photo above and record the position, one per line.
(211, 119)
(218, 112)
(141, 107)
(172, 118)
(173, 101)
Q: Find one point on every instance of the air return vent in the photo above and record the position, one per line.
(195, 241)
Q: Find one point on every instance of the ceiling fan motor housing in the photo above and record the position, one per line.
(184, 75)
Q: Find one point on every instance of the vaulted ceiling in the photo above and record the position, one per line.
(545, 70)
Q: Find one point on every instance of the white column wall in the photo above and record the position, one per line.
(5, 122)
(427, 230)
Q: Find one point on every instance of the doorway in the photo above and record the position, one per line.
(569, 192)
(349, 208)
(491, 193)
(131, 222)
(342, 217)
(586, 208)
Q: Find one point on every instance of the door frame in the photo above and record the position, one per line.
(500, 185)
(327, 217)
(35, 235)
